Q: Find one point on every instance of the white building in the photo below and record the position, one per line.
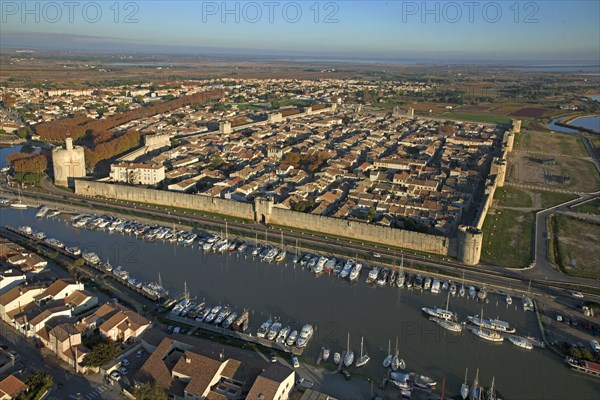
(137, 174)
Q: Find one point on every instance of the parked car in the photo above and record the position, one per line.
(125, 362)
(123, 371)
(115, 375)
(139, 354)
(346, 374)
(273, 357)
(295, 362)
(578, 295)
(559, 318)
(305, 384)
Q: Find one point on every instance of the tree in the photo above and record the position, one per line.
(101, 354)
(371, 214)
(38, 382)
(23, 132)
(149, 391)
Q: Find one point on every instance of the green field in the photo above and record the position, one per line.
(507, 238)
(576, 246)
(591, 207)
(551, 199)
(495, 119)
(512, 197)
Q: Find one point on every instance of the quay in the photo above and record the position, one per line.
(297, 351)
(29, 241)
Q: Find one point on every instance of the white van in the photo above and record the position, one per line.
(595, 346)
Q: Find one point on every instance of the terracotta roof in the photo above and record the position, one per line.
(12, 386)
(200, 369)
(267, 383)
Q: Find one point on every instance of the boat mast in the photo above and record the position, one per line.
(348, 344)
(186, 295)
(397, 346)
(159, 279)
(361, 347)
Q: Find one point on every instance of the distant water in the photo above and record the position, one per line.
(337, 308)
(556, 68)
(552, 125)
(5, 152)
(592, 123)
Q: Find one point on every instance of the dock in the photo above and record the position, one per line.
(46, 248)
(297, 351)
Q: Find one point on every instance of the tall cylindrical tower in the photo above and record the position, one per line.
(470, 240)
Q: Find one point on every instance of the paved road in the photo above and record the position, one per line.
(67, 382)
(544, 269)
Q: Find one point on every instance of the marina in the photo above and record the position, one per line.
(334, 308)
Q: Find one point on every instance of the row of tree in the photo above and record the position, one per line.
(28, 162)
(111, 148)
(77, 127)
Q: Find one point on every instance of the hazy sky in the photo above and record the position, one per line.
(436, 30)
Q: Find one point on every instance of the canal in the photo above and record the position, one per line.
(336, 308)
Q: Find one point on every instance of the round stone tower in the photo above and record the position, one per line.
(68, 162)
(470, 240)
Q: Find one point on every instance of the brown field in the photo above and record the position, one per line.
(545, 142)
(570, 158)
(530, 112)
(577, 246)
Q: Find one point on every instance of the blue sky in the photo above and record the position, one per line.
(438, 30)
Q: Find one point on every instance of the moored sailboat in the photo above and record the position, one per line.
(364, 358)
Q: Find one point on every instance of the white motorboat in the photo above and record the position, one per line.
(373, 274)
(347, 269)
(214, 312)
(439, 313)
(355, 272)
(508, 299)
(291, 339)
(224, 313)
(520, 342)
(264, 329)
(42, 212)
(283, 334)
(527, 304)
(275, 328)
(492, 324)
(305, 335)
(74, 250)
